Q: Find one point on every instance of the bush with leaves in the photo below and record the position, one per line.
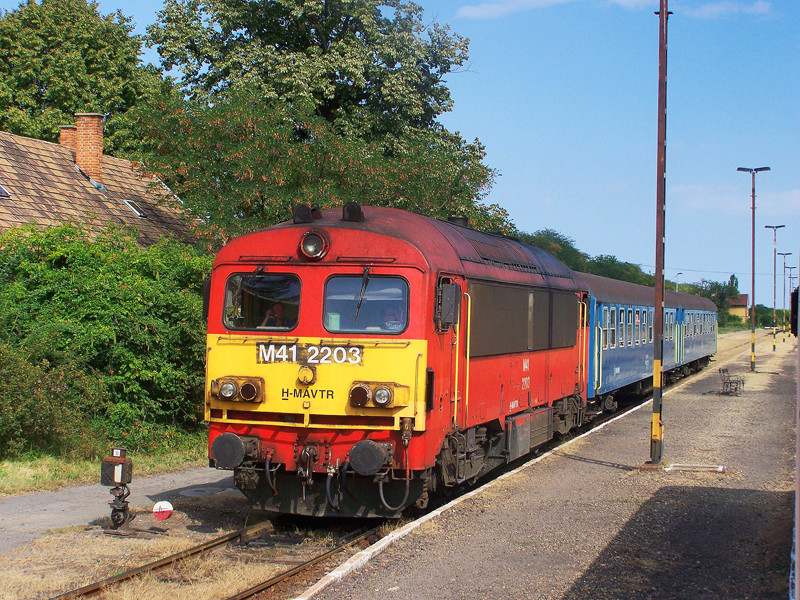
(113, 331)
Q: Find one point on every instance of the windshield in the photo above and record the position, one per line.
(361, 303)
(263, 301)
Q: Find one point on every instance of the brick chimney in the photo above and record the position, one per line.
(89, 146)
(68, 136)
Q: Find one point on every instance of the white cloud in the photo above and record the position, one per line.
(731, 200)
(779, 203)
(701, 197)
(496, 10)
(633, 4)
(710, 10)
(726, 8)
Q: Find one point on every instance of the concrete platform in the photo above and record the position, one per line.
(586, 521)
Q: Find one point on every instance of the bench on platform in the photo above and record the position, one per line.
(731, 384)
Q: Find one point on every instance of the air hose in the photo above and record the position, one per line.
(405, 496)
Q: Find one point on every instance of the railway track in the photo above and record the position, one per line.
(725, 353)
(242, 535)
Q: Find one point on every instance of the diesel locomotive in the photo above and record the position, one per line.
(361, 360)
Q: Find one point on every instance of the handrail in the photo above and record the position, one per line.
(467, 334)
(457, 332)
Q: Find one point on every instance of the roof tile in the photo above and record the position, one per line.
(47, 188)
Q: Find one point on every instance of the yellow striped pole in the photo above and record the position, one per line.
(656, 427)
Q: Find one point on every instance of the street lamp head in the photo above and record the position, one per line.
(759, 169)
(773, 226)
(756, 170)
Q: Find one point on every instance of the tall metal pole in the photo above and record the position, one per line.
(753, 265)
(656, 426)
(676, 280)
(783, 310)
(774, 277)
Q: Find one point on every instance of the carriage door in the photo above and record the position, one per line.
(450, 319)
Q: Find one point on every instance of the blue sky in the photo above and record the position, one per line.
(563, 94)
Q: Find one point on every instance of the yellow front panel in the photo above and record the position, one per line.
(307, 381)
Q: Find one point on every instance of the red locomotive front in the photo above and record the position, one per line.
(360, 360)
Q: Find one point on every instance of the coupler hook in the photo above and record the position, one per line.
(305, 466)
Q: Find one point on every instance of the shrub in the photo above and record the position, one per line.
(120, 324)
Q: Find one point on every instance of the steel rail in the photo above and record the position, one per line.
(95, 588)
(250, 592)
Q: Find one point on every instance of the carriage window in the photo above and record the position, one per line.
(638, 326)
(630, 327)
(621, 327)
(644, 326)
(604, 328)
(650, 328)
(612, 329)
(263, 301)
(360, 303)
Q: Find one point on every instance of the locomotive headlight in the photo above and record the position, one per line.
(314, 245)
(228, 390)
(383, 396)
(249, 391)
(360, 394)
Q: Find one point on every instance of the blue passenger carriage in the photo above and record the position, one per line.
(621, 337)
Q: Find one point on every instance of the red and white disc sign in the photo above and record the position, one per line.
(162, 510)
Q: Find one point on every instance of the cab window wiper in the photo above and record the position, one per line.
(364, 282)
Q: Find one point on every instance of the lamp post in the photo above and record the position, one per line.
(676, 280)
(753, 264)
(774, 270)
(783, 322)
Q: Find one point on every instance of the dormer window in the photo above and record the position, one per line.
(4, 193)
(137, 210)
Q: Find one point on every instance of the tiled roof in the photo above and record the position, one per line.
(47, 188)
(740, 301)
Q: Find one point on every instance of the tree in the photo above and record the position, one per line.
(243, 163)
(557, 244)
(609, 266)
(370, 66)
(59, 57)
(323, 102)
(721, 294)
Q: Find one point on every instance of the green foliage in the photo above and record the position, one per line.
(609, 266)
(45, 406)
(59, 57)
(557, 244)
(243, 163)
(373, 67)
(721, 294)
(321, 102)
(116, 329)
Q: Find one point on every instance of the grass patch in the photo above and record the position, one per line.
(38, 473)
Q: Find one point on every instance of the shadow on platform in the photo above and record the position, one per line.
(697, 543)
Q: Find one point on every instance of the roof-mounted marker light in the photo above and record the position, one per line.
(352, 212)
(302, 214)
